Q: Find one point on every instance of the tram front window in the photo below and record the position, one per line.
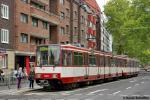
(48, 56)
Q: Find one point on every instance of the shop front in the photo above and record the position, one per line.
(3, 58)
(24, 60)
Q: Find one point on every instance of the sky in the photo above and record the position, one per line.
(101, 4)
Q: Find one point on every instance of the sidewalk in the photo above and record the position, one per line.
(4, 90)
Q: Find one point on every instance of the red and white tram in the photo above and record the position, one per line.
(61, 65)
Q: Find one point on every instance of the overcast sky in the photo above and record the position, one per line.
(101, 4)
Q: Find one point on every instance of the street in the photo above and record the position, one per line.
(136, 88)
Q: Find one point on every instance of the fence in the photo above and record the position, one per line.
(11, 79)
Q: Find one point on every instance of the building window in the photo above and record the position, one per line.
(62, 15)
(25, 1)
(4, 11)
(3, 61)
(37, 5)
(34, 22)
(82, 34)
(62, 30)
(24, 38)
(75, 30)
(67, 29)
(75, 15)
(82, 19)
(4, 36)
(62, 2)
(45, 25)
(67, 13)
(24, 18)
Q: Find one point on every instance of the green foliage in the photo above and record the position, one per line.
(129, 22)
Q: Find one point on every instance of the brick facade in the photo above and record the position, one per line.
(6, 49)
(36, 22)
(7, 23)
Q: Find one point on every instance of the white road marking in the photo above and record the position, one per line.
(88, 99)
(132, 81)
(123, 95)
(65, 94)
(97, 91)
(143, 78)
(71, 99)
(135, 95)
(100, 94)
(116, 92)
(147, 95)
(128, 88)
(60, 99)
(28, 94)
(136, 84)
(77, 94)
(109, 94)
(90, 87)
(142, 82)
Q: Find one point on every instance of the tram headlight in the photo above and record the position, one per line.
(38, 75)
(54, 76)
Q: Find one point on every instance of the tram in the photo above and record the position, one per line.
(68, 66)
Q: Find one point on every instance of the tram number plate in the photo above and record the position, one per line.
(46, 76)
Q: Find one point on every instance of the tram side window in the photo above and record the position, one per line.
(102, 61)
(106, 61)
(85, 59)
(92, 60)
(109, 61)
(44, 58)
(116, 62)
(80, 58)
(69, 58)
(51, 58)
(75, 58)
(98, 60)
(64, 58)
(113, 62)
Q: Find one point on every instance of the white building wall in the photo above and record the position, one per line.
(106, 38)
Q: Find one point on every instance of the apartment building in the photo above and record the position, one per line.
(93, 22)
(36, 23)
(64, 26)
(6, 34)
(28, 23)
(106, 37)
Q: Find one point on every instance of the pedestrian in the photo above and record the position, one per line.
(2, 75)
(19, 77)
(31, 78)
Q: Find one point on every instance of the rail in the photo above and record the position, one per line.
(10, 80)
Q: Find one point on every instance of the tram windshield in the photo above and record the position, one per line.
(48, 55)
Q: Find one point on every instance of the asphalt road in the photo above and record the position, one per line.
(136, 88)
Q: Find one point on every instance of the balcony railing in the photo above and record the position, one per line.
(44, 15)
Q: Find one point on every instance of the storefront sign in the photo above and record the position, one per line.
(2, 50)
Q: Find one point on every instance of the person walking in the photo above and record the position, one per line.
(31, 78)
(19, 77)
(2, 75)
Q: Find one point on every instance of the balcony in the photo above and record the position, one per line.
(44, 15)
(94, 32)
(90, 18)
(94, 20)
(90, 31)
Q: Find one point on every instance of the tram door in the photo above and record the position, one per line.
(98, 65)
(86, 61)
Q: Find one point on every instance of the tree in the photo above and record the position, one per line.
(129, 22)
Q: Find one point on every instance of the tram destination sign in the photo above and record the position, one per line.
(45, 48)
